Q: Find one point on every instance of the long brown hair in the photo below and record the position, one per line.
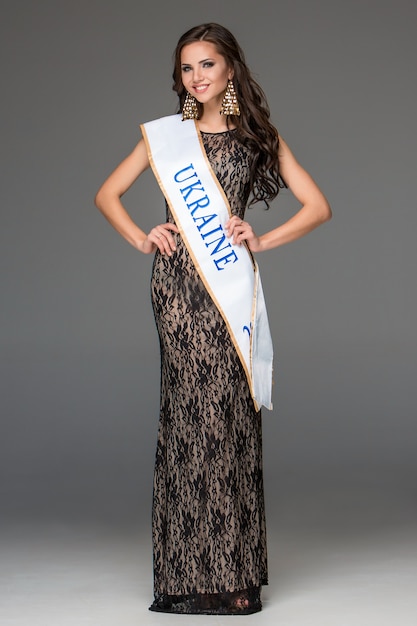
(253, 125)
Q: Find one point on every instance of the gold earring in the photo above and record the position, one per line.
(230, 105)
(189, 109)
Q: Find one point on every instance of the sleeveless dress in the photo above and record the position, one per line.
(208, 516)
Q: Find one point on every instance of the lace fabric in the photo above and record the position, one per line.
(208, 517)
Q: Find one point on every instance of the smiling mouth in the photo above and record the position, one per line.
(200, 88)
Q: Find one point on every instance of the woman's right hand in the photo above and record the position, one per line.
(160, 237)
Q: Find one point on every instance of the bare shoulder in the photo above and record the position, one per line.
(299, 180)
(288, 164)
(138, 159)
(284, 151)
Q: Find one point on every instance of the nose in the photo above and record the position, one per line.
(197, 74)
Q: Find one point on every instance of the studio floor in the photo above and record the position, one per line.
(327, 568)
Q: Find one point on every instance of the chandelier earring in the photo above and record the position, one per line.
(230, 105)
(189, 109)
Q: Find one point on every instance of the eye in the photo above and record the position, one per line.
(185, 68)
(208, 64)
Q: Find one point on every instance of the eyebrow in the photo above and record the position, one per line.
(203, 61)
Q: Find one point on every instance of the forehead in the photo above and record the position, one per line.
(198, 51)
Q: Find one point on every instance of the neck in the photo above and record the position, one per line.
(211, 121)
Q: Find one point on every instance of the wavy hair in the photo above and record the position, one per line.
(253, 125)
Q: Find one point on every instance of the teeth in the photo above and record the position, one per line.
(202, 88)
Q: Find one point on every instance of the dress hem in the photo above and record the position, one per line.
(242, 602)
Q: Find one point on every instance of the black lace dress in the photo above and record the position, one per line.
(209, 536)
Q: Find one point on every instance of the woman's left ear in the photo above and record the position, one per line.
(231, 74)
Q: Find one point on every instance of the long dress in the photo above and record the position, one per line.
(208, 516)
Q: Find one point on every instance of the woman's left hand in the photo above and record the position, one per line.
(241, 231)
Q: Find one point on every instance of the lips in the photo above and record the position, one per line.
(200, 88)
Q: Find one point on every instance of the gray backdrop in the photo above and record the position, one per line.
(80, 361)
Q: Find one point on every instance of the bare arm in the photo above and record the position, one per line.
(314, 210)
(108, 201)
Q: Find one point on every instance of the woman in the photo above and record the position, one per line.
(208, 506)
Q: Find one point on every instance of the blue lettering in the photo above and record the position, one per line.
(198, 204)
(226, 259)
(206, 219)
(193, 187)
(217, 248)
(177, 175)
(218, 244)
(215, 230)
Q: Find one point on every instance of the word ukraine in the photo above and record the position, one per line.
(197, 201)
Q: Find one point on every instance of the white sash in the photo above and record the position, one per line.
(229, 272)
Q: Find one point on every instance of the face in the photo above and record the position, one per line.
(204, 72)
